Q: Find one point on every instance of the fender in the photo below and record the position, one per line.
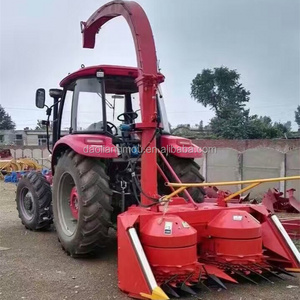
(90, 145)
(180, 147)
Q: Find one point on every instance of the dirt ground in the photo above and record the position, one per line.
(33, 266)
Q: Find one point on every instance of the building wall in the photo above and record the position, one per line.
(7, 137)
(31, 140)
(29, 137)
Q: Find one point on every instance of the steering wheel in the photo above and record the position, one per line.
(112, 126)
(127, 115)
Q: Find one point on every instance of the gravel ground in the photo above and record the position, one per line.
(33, 266)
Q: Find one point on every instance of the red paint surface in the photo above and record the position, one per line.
(108, 70)
(90, 145)
(180, 147)
(147, 80)
(74, 203)
(222, 242)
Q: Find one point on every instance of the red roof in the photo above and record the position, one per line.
(108, 70)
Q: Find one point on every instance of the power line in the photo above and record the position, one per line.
(20, 108)
(262, 106)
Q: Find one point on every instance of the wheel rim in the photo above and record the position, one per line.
(27, 204)
(68, 204)
(74, 203)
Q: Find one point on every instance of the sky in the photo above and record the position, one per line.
(40, 43)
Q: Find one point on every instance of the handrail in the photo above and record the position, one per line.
(263, 180)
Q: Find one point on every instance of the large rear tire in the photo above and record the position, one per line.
(188, 171)
(33, 200)
(81, 204)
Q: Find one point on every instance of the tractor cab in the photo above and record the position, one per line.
(103, 100)
(99, 114)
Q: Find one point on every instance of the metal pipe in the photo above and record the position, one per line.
(249, 187)
(176, 177)
(142, 258)
(187, 185)
(55, 120)
(174, 193)
(161, 172)
(286, 237)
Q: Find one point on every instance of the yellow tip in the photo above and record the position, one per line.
(295, 270)
(157, 294)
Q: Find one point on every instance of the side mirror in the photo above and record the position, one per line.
(40, 97)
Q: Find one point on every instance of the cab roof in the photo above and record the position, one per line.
(107, 69)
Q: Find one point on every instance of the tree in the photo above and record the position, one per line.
(220, 90)
(234, 126)
(297, 116)
(40, 126)
(264, 128)
(288, 126)
(6, 122)
(201, 126)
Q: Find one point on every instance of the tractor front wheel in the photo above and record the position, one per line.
(81, 204)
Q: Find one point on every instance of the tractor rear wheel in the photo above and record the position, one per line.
(81, 204)
(33, 199)
(187, 170)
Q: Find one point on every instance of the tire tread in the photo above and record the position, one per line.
(95, 210)
(37, 183)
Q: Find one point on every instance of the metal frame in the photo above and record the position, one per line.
(252, 183)
(147, 80)
(174, 175)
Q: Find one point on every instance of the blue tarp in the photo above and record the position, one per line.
(14, 176)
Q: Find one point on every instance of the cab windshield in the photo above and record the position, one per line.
(91, 110)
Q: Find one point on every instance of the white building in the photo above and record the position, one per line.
(24, 137)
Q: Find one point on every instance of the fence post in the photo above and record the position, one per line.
(282, 184)
(240, 174)
(42, 157)
(204, 171)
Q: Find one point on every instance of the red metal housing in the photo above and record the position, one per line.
(179, 244)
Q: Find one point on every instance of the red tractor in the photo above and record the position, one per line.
(111, 171)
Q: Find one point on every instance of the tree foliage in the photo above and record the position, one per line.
(264, 128)
(40, 126)
(221, 90)
(297, 116)
(6, 122)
